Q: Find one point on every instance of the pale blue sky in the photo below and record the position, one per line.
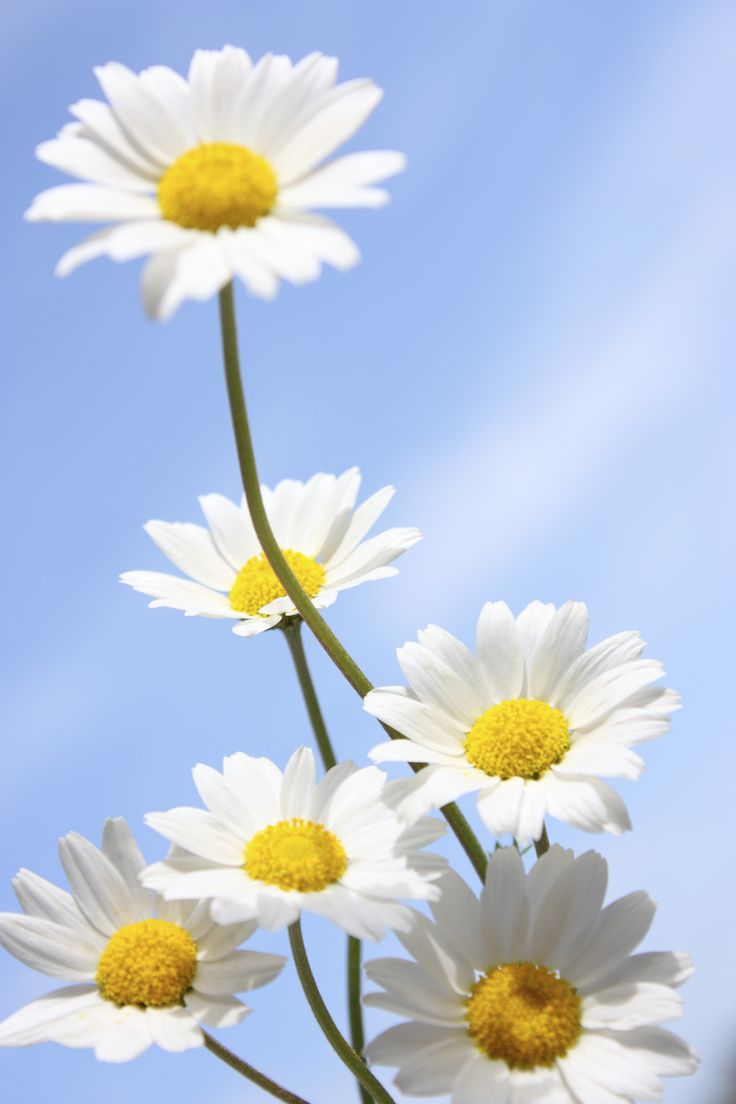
(537, 349)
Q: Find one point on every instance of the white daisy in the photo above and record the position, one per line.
(532, 994)
(143, 970)
(272, 845)
(213, 175)
(320, 532)
(532, 722)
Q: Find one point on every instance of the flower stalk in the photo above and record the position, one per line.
(373, 1087)
(250, 1072)
(254, 499)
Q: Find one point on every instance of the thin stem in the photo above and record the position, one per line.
(252, 487)
(355, 1008)
(248, 1071)
(339, 1044)
(541, 846)
(293, 633)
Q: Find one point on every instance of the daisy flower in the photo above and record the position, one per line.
(531, 993)
(215, 175)
(321, 535)
(532, 722)
(272, 845)
(143, 970)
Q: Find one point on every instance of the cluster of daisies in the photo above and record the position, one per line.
(528, 993)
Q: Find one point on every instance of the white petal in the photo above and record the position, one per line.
(179, 594)
(90, 203)
(48, 948)
(585, 803)
(239, 972)
(618, 930)
(416, 720)
(217, 79)
(192, 550)
(483, 1082)
(571, 907)
(667, 1054)
(299, 784)
(153, 108)
(40, 898)
(216, 1011)
(560, 645)
(231, 528)
(609, 690)
(100, 889)
(199, 832)
(126, 1037)
(48, 1018)
(499, 653)
(628, 1006)
(88, 160)
(345, 182)
(173, 1029)
(504, 907)
(120, 847)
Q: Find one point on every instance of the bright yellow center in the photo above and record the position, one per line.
(257, 585)
(151, 963)
(296, 854)
(524, 1015)
(217, 184)
(519, 738)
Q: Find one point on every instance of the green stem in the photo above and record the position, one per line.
(541, 846)
(252, 487)
(293, 633)
(339, 1044)
(248, 1071)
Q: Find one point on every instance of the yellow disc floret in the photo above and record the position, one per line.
(519, 738)
(257, 584)
(296, 854)
(217, 184)
(524, 1015)
(151, 963)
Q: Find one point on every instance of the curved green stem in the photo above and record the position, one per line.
(252, 487)
(339, 1044)
(250, 1072)
(293, 632)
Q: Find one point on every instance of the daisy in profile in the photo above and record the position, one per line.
(533, 722)
(142, 970)
(532, 993)
(271, 845)
(320, 531)
(216, 175)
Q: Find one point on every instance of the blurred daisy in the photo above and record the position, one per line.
(271, 845)
(144, 971)
(214, 175)
(321, 535)
(532, 722)
(532, 993)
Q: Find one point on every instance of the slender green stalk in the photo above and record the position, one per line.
(252, 487)
(339, 1044)
(542, 844)
(252, 1074)
(293, 633)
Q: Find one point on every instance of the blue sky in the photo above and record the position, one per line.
(537, 350)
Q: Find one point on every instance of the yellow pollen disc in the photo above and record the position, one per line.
(296, 854)
(519, 738)
(524, 1015)
(217, 184)
(151, 963)
(257, 585)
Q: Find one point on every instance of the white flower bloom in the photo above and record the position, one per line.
(272, 845)
(143, 970)
(319, 530)
(215, 175)
(532, 994)
(532, 722)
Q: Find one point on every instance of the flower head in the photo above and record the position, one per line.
(532, 722)
(271, 845)
(320, 532)
(215, 175)
(532, 992)
(143, 970)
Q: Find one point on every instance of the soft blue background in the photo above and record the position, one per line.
(537, 350)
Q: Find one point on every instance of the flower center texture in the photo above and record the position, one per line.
(257, 584)
(519, 738)
(151, 963)
(217, 184)
(296, 854)
(524, 1015)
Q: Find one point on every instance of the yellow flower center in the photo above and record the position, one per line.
(296, 854)
(257, 585)
(519, 738)
(524, 1015)
(217, 184)
(151, 963)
